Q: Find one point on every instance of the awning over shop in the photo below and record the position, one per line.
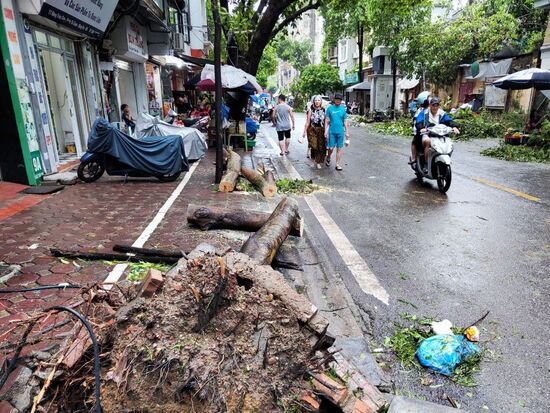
(405, 84)
(492, 70)
(359, 87)
(168, 60)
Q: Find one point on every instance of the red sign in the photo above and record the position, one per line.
(8, 13)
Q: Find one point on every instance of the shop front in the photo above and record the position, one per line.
(51, 71)
(129, 79)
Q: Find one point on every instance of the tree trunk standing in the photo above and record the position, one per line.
(360, 45)
(394, 86)
(218, 80)
(264, 244)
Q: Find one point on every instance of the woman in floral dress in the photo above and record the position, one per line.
(315, 131)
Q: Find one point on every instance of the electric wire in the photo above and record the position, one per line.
(43, 287)
(97, 367)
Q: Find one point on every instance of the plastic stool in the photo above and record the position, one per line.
(241, 136)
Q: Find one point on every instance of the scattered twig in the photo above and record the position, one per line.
(481, 319)
(13, 361)
(40, 394)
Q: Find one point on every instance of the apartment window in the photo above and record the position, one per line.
(180, 22)
(343, 50)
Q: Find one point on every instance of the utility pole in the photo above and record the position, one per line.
(218, 81)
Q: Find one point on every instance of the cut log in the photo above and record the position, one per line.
(229, 178)
(94, 255)
(207, 217)
(272, 184)
(264, 244)
(267, 189)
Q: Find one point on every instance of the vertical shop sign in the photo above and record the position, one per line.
(20, 96)
(38, 87)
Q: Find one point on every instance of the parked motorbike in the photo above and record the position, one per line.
(266, 114)
(198, 123)
(114, 152)
(439, 158)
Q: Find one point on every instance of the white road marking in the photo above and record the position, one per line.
(356, 264)
(119, 269)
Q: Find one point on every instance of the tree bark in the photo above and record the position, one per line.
(229, 179)
(394, 86)
(206, 218)
(267, 28)
(267, 189)
(264, 244)
(218, 81)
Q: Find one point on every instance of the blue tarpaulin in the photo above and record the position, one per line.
(156, 155)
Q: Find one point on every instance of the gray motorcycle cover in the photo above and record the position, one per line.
(193, 140)
(156, 155)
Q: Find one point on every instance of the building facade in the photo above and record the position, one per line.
(66, 64)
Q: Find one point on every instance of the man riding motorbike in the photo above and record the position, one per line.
(432, 116)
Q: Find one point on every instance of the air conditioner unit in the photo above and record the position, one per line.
(178, 41)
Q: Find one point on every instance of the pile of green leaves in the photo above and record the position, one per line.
(244, 186)
(540, 138)
(139, 270)
(296, 186)
(399, 127)
(520, 153)
(405, 341)
(487, 124)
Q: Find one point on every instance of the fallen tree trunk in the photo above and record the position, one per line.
(266, 188)
(207, 217)
(229, 178)
(94, 255)
(264, 244)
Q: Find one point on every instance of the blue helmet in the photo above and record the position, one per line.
(422, 97)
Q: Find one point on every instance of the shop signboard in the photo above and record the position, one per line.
(19, 90)
(130, 40)
(352, 78)
(89, 17)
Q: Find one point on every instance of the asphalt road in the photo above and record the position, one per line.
(485, 245)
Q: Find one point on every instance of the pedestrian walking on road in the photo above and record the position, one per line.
(315, 131)
(283, 120)
(336, 129)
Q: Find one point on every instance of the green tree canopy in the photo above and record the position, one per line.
(268, 65)
(297, 52)
(256, 23)
(319, 79)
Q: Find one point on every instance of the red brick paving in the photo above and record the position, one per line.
(96, 216)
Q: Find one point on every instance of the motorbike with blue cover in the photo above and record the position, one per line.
(112, 151)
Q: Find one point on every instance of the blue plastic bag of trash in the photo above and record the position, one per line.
(443, 353)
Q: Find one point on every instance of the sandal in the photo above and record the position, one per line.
(327, 162)
(338, 168)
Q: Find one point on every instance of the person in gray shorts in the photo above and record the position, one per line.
(283, 120)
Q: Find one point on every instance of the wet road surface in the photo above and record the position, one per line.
(485, 245)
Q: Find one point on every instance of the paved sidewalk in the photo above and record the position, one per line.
(97, 216)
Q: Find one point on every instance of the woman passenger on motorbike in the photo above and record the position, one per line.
(431, 117)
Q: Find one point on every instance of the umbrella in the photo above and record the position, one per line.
(232, 77)
(265, 95)
(525, 79)
(206, 84)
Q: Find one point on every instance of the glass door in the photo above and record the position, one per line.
(76, 97)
